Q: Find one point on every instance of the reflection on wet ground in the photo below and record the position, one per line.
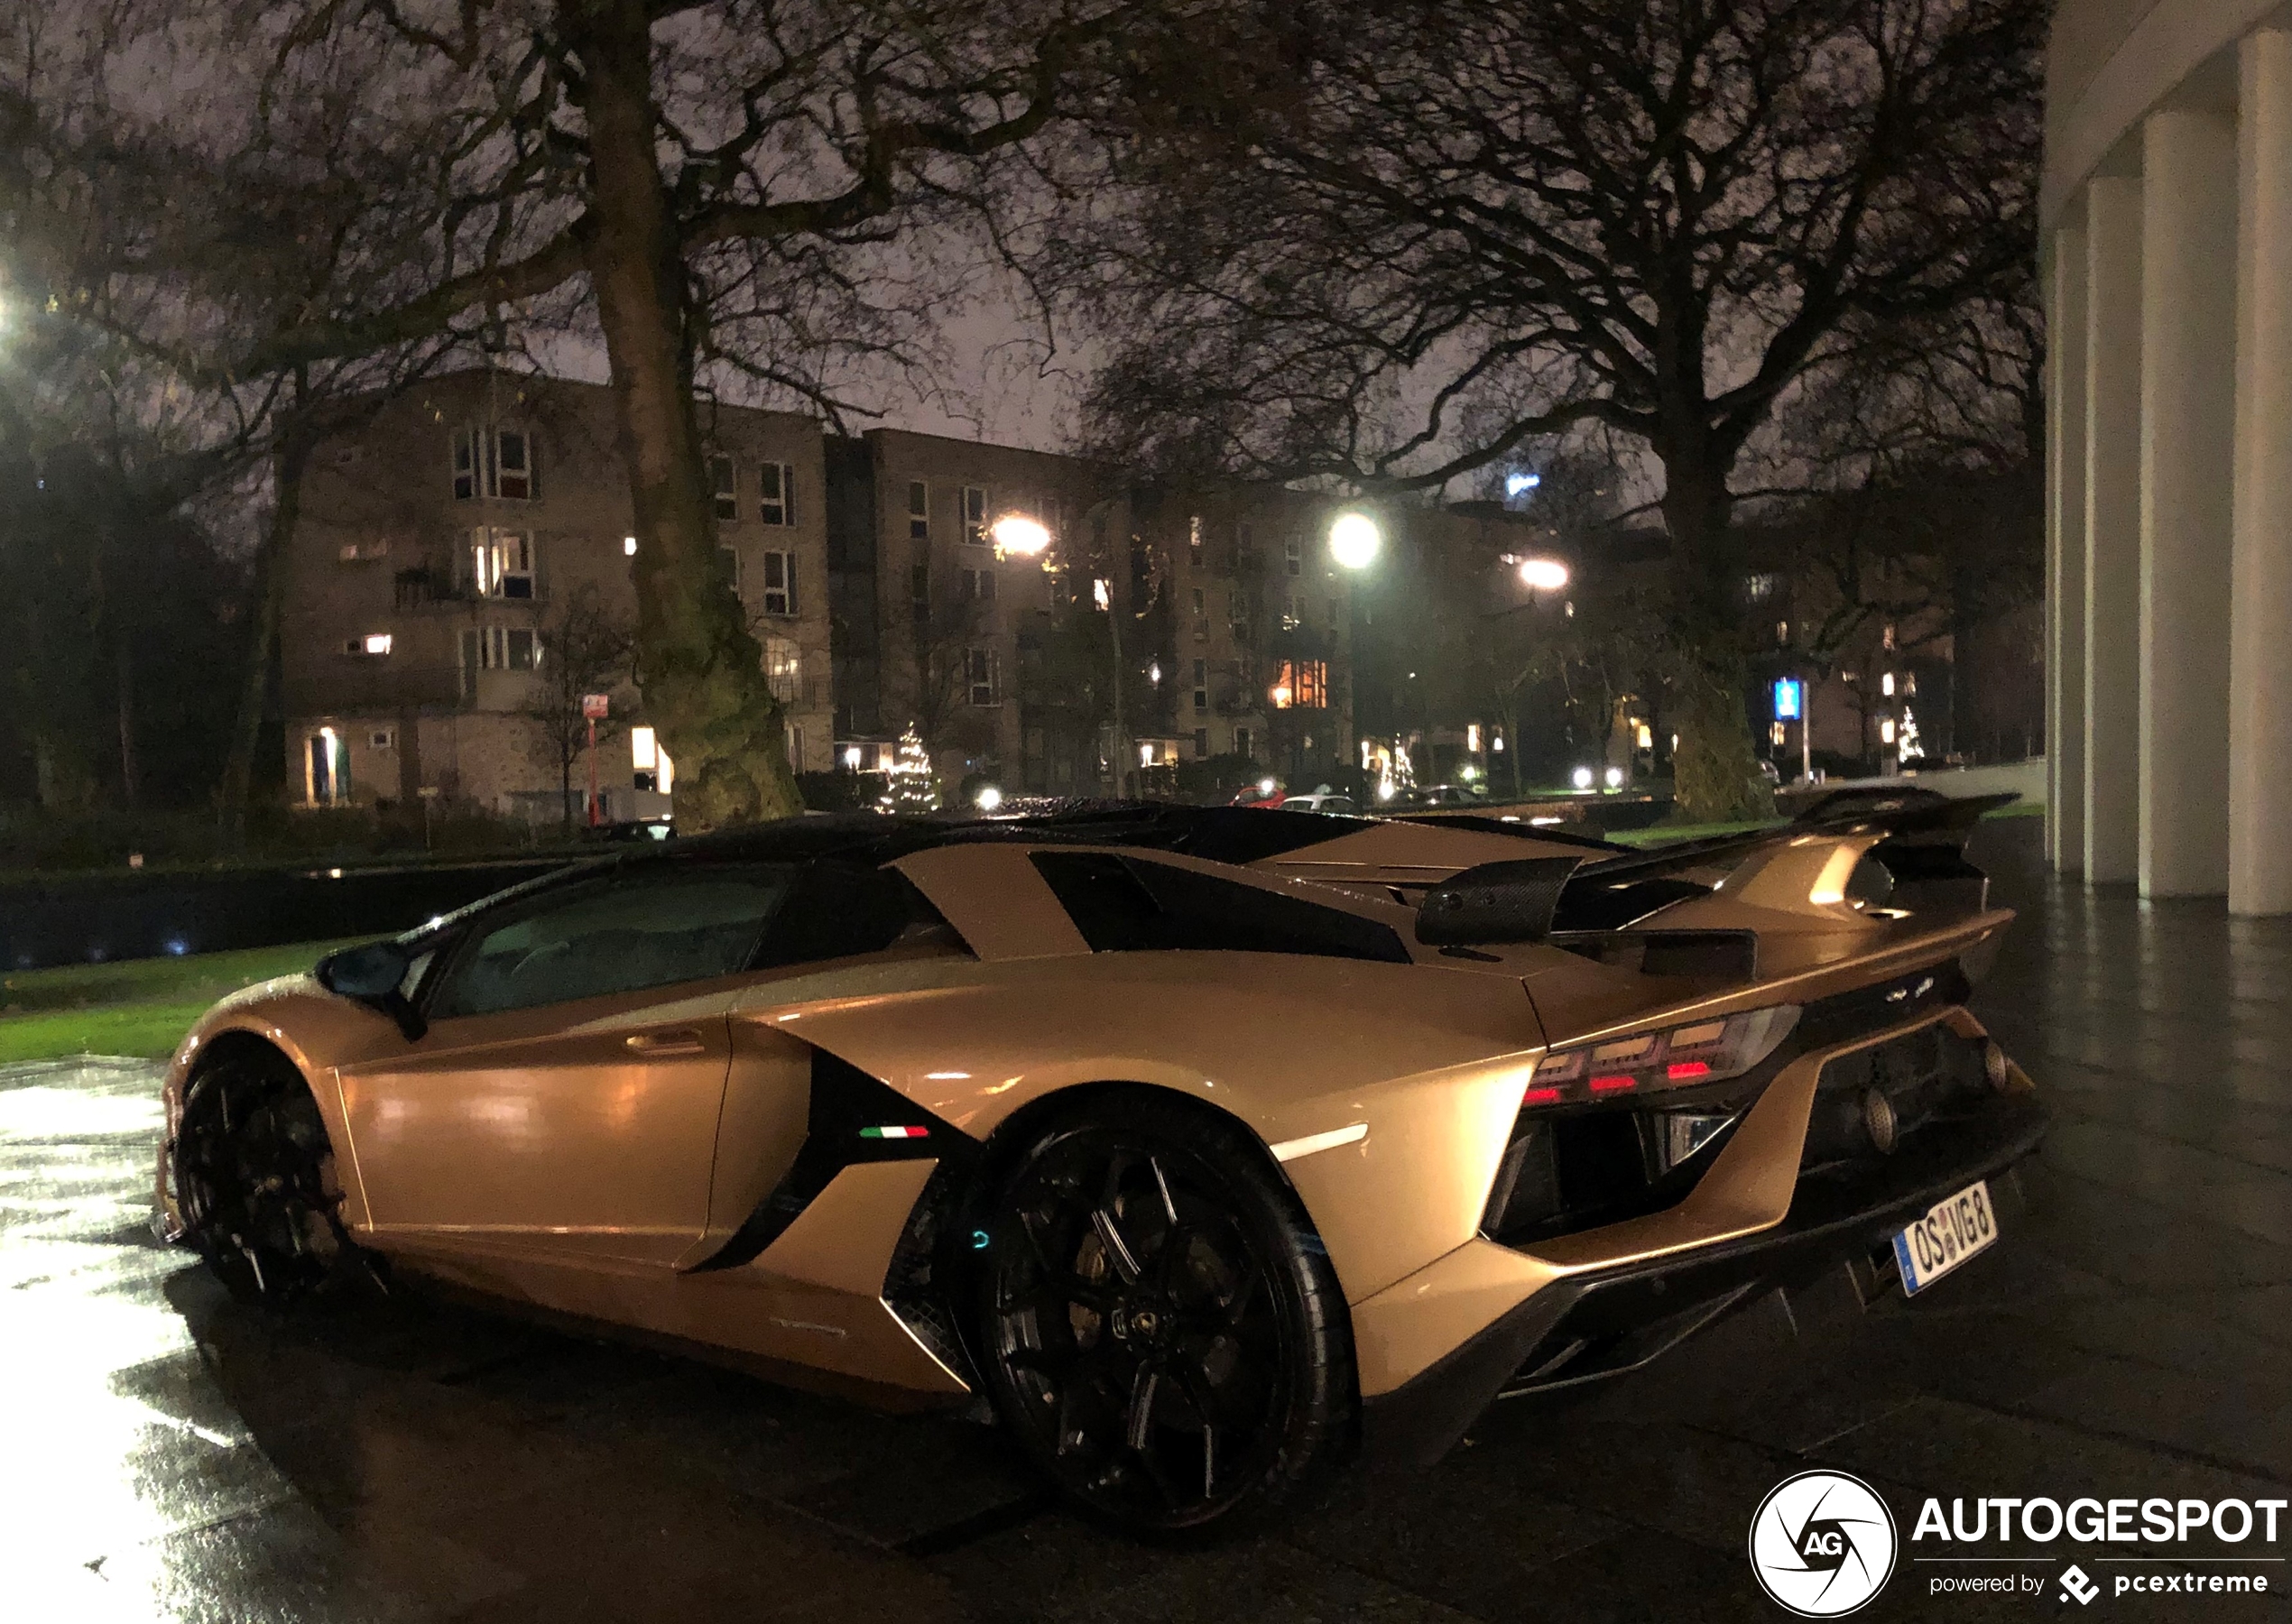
(172, 1455)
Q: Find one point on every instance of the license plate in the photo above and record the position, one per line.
(1951, 1232)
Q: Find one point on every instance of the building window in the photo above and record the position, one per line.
(1886, 639)
(1201, 685)
(1304, 685)
(326, 767)
(725, 480)
(978, 585)
(497, 648)
(364, 553)
(1760, 588)
(1293, 554)
(1289, 620)
(493, 462)
(501, 563)
(729, 558)
(783, 663)
(373, 644)
(1242, 743)
(780, 583)
(1201, 744)
(650, 762)
(795, 750)
(979, 676)
(382, 738)
(1194, 542)
(778, 487)
(975, 516)
(919, 592)
(919, 511)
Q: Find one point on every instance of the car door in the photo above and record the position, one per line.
(565, 1098)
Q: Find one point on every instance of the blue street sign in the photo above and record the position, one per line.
(1786, 698)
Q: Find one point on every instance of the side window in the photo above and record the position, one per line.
(841, 909)
(618, 934)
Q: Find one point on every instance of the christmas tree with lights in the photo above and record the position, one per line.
(914, 787)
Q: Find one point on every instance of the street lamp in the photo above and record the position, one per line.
(1016, 536)
(1354, 541)
(1543, 574)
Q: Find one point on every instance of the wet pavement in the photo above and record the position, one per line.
(170, 1455)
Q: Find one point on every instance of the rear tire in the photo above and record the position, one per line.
(1158, 1323)
(254, 1180)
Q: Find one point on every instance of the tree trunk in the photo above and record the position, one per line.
(124, 659)
(1714, 770)
(701, 671)
(295, 444)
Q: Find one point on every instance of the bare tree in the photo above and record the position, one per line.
(1390, 246)
(699, 170)
(585, 649)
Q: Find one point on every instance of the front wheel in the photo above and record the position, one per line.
(254, 1179)
(1159, 1324)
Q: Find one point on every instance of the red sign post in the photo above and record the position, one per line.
(595, 706)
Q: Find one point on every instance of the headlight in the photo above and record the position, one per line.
(1681, 1057)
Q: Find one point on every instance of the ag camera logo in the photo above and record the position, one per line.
(1822, 1544)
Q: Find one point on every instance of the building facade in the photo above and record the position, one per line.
(2166, 213)
(479, 523)
(452, 553)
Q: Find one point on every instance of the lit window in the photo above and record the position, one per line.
(1101, 592)
(778, 487)
(780, 583)
(725, 480)
(975, 516)
(1886, 730)
(1885, 637)
(1194, 543)
(1886, 685)
(372, 643)
(643, 749)
(1472, 737)
(1759, 587)
(1304, 685)
(628, 546)
(782, 669)
(501, 563)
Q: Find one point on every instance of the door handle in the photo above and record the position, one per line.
(675, 1040)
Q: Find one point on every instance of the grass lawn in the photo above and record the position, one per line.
(139, 1007)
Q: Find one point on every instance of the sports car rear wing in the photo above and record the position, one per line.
(1916, 836)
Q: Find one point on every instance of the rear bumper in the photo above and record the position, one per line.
(1603, 1322)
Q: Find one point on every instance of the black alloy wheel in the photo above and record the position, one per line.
(254, 1180)
(1159, 1324)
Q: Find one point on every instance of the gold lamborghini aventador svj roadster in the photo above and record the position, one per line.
(1213, 1146)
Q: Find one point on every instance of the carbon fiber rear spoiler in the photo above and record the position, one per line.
(1921, 845)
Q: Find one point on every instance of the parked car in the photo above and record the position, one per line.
(1322, 799)
(1210, 1145)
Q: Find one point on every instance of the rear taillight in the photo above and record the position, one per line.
(1682, 1056)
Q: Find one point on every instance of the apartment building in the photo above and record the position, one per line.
(447, 547)
(1221, 610)
(475, 524)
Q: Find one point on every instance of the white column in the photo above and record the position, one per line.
(2066, 554)
(2188, 469)
(2260, 688)
(2112, 528)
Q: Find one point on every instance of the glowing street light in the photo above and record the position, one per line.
(1543, 574)
(1020, 537)
(989, 798)
(1354, 541)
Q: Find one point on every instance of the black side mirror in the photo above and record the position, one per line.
(372, 975)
